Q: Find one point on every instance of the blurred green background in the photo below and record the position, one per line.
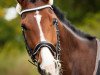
(84, 14)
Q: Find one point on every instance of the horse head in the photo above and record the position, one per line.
(39, 24)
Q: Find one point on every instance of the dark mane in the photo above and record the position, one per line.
(61, 17)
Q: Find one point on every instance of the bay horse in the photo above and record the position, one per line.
(55, 46)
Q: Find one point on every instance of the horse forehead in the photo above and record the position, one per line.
(34, 5)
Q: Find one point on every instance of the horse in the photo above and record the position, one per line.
(55, 46)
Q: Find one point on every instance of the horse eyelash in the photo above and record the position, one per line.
(24, 27)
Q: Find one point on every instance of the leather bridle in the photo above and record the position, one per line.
(54, 49)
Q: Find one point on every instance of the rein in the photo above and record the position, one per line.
(54, 49)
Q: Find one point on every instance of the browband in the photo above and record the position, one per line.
(37, 8)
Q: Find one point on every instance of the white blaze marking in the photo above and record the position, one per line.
(38, 19)
(48, 61)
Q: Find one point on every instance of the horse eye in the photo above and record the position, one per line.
(24, 27)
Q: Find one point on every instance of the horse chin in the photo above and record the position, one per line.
(48, 65)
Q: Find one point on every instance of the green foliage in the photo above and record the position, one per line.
(7, 3)
(10, 31)
(14, 62)
(76, 10)
(91, 24)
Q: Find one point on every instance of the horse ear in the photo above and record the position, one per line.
(49, 1)
(22, 2)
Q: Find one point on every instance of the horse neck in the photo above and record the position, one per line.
(72, 40)
(71, 43)
(68, 39)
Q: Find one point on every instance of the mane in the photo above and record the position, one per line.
(61, 17)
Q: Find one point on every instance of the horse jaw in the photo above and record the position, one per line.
(48, 62)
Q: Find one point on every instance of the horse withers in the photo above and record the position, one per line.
(54, 45)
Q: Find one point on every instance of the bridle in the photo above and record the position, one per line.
(54, 49)
(35, 9)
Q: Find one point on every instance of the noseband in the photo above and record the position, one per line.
(54, 49)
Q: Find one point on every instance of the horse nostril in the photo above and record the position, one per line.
(43, 71)
(48, 74)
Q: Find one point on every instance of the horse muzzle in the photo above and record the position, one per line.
(40, 45)
(43, 44)
(48, 55)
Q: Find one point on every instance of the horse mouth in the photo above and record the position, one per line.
(42, 71)
(50, 69)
